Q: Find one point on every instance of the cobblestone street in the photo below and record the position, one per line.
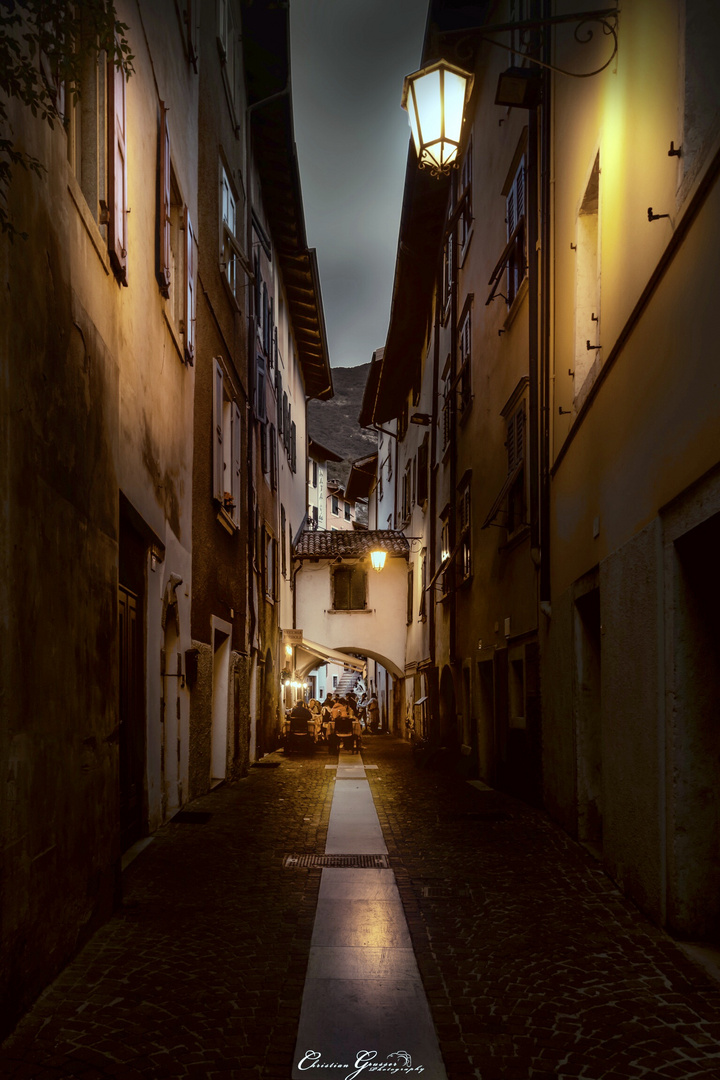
(533, 963)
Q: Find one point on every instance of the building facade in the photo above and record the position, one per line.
(164, 286)
(553, 331)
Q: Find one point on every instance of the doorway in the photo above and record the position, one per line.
(132, 557)
(694, 901)
(221, 640)
(588, 714)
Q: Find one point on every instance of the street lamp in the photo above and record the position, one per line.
(377, 559)
(435, 99)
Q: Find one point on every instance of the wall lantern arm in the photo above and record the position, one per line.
(606, 17)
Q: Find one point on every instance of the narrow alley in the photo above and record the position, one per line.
(533, 964)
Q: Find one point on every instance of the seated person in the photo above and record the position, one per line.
(342, 718)
(299, 716)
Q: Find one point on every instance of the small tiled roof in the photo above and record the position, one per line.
(347, 544)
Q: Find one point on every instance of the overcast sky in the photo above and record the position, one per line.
(349, 58)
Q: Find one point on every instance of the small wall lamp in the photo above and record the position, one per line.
(422, 418)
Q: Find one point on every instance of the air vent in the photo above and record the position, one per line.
(374, 862)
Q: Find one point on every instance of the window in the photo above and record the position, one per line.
(286, 421)
(314, 474)
(422, 608)
(230, 223)
(464, 375)
(227, 46)
(349, 589)
(447, 413)
(87, 114)
(176, 270)
(466, 214)
(422, 470)
(516, 509)
(279, 402)
(410, 604)
(273, 454)
(334, 505)
(260, 394)
(315, 517)
(283, 541)
(117, 173)
(189, 18)
(463, 559)
(347, 511)
(405, 496)
(447, 272)
(445, 552)
(587, 280)
(515, 217)
(270, 567)
(227, 445)
(293, 447)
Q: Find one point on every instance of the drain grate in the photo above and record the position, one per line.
(375, 862)
(191, 817)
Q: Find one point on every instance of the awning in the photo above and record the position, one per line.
(333, 655)
(509, 481)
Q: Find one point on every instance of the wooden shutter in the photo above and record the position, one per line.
(357, 590)
(260, 396)
(263, 448)
(510, 443)
(236, 484)
(218, 398)
(117, 170)
(190, 290)
(519, 435)
(422, 480)
(293, 447)
(278, 401)
(341, 589)
(165, 201)
(465, 341)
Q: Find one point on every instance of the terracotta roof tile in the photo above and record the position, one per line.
(326, 544)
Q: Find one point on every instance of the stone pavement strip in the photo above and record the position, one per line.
(533, 964)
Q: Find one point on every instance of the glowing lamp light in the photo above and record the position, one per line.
(288, 650)
(435, 99)
(377, 559)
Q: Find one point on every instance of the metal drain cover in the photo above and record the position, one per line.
(375, 862)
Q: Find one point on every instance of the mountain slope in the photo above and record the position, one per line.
(334, 423)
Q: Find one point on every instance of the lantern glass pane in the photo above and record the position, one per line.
(412, 117)
(427, 95)
(454, 102)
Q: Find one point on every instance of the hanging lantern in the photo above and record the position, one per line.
(435, 99)
(377, 559)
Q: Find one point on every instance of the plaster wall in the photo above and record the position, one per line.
(97, 402)
(377, 632)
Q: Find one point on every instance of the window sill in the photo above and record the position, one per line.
(515, 539)
(465, 247)
(91, 227)
(175, 335)
(350, 611)
(516, 304)
(226, 521)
